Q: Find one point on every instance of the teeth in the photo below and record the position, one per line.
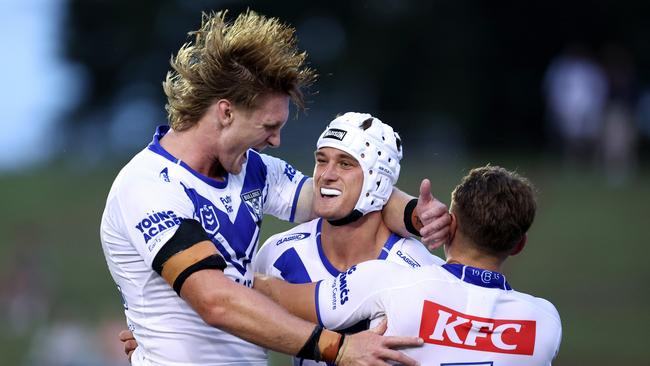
(330, 192)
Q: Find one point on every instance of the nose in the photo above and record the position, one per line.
(274, 139)
(329, 173)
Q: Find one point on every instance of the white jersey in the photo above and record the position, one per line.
(466, 315)
(297, 256)
(147, 201)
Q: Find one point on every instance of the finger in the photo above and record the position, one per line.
(402, 341)
(125, 335)
(398, 357)
(425, 192)
(130, 346)
(381, 327)
(436, 234)
(435, 209)
(440, 224)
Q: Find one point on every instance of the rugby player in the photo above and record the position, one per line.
(357, 164)
(466, 311)
(181, 223)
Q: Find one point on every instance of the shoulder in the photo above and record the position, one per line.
(275, 245)
(540, 305)
(410, 252)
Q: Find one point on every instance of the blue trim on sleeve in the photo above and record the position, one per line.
(320, 322)
(295, 198)
(392, 239)
(158, 149)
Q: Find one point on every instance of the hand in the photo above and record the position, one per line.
(130, 344)
(434, 217)
(371, 348)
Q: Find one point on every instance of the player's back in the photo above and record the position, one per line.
(466, 315)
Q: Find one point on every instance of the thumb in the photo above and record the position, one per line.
(381, 327)
(425, 192)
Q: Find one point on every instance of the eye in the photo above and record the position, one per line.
(345, 164)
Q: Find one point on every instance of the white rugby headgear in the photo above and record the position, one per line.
(376, 147)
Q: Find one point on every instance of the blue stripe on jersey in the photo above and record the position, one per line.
(156, 148)
(392, 239)
(323, 258)
(478, 276)
(291, 267)
(320, 322)
(295, 199)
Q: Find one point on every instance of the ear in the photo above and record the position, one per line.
(224, 111)
(453, 226)
(520, 246)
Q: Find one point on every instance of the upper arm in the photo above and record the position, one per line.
(285, 185)
(304, 207)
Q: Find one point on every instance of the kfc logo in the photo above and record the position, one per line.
(446, 327)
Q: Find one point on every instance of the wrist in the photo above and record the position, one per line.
(411, 220)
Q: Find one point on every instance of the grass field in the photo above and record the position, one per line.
(587, 253)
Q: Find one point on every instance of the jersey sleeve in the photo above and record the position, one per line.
(284, 184)
(352, 296)
(149, 213)
(265, 257)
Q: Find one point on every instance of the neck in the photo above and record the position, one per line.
(192, 146)
(359, 241)
(461, 252)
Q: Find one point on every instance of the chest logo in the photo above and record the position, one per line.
(209, 218)
(446, 327)
(253, 200)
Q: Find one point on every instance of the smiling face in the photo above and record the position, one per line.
(255, 128)
(338, 179)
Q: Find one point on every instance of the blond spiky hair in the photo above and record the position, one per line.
(238, 61)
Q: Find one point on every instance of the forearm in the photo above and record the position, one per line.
(298, 299)
(246, 314)
(393, 212)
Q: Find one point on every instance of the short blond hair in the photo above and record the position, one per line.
(238, 61)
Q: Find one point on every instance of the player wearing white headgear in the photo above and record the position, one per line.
(357, 164)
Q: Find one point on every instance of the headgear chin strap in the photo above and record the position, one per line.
(376, 147)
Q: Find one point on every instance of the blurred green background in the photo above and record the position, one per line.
(587, 253)
(464, 82)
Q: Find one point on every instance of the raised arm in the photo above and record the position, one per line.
(425, 216)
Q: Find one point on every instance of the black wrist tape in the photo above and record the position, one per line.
(408, 217)
(310, 349)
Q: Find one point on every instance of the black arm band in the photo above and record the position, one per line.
(310, 349)
(408, 217)
(189, 232)
(214, 261)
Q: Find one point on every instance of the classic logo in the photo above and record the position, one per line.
(296, 236)
(209, 219)
(157, 222)
(335, 133)
(408, 259)
(446, 327)
(253, 200)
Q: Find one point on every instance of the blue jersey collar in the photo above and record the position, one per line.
(478, 276)
(158, 149)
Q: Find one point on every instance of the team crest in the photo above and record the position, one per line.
(253, 200)
(209, 218)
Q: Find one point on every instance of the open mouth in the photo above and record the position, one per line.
(329, 192)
